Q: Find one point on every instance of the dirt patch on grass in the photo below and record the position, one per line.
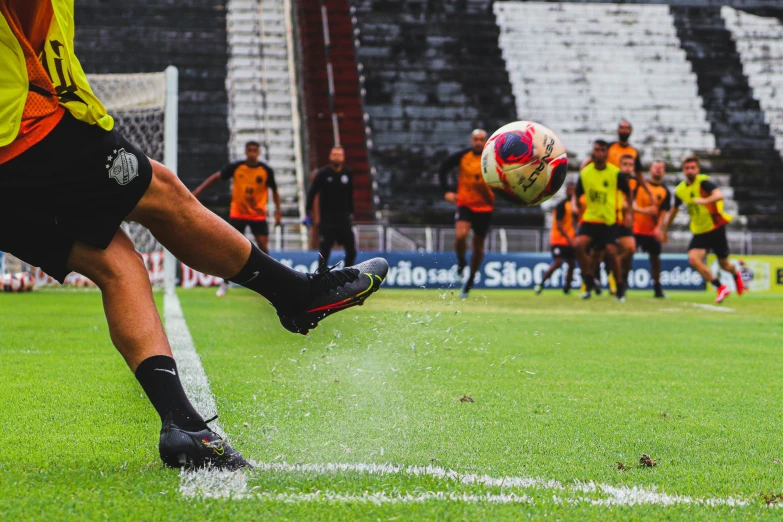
(646, 462)
(466, 398)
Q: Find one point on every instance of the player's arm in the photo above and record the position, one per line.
(662, 213)
(272, 184)
(226, 172)
(214, 178)
(312, 192)
(577, 194)
(625, 188)
(714, 194)
(672, 215)
(639, 175)
(450, 163)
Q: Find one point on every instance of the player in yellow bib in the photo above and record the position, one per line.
(58, 142)
(704, 202)
(600, 181)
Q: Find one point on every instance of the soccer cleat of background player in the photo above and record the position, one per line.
(561, 241)
(601, 183)
(704, 202)
(650, 211)
(333, 185)
(251, 182)
(57, 141)
(475, 202)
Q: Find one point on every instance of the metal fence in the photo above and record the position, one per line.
(392, 238)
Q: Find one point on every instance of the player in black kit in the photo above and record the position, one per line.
(334, 183)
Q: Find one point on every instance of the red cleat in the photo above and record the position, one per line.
(723, 293)
(740, 284)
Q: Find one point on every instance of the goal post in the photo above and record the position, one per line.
(145, 111)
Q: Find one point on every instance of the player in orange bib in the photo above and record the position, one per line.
(475, 203)
(649, 215)
(561, 241)
(58, 143)
(251, 182)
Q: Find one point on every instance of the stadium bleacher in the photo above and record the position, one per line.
(600, 63)
(155, 35)
(259, 84)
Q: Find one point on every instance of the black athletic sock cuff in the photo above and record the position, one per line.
(715, 282)
(155, 363)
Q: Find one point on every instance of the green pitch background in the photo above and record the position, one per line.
(561, 389)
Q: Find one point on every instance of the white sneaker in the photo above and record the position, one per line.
(222, 290)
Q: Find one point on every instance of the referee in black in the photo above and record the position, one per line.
(334, 183)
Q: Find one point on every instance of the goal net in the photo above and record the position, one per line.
(144, 107)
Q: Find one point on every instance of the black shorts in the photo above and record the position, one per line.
(566, 252)
(622, 231)
(77, 184)
(714, 240)
(479, 221)
(342, 233)
(258, 228)
(601, 234)
(648, 244)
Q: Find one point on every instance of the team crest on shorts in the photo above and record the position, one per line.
(124, 168)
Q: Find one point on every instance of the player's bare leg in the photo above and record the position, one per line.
(615, 265)
(627, 247)
(655, 271)
(586, 263)
(557, 263)
(462, 229)
(137, 333)
(696, 258)
(569, 276)
(263, 243)
(208, 244)
(476, 258)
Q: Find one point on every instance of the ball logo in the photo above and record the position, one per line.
(124, 168)
(515, 147)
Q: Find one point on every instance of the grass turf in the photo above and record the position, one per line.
(561, 390)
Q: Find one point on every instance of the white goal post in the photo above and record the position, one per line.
(145, 111)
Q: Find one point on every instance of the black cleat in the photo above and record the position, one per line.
(334, 290)
(180, 448)
(659, 292)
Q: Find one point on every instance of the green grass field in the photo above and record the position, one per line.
(506, 384)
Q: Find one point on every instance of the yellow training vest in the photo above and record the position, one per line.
(600, 187)
(58, 58)
(704, 218)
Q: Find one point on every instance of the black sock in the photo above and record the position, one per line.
(716, 282)
(589, 281)
(159, 378)
(284, 287)
(462, 262)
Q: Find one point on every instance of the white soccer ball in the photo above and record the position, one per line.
(19, 282)
(526, 160)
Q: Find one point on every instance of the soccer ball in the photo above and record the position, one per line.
(19, 282)
(525, 160)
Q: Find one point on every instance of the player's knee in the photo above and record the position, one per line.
(167, 186)
(694, 259)
(724, 264)
(120, 261)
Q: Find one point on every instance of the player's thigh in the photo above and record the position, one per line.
(118, 261)
(166, 194)
(696, 256)
(462, 229)
(627, 245)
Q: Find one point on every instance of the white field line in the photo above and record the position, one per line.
(713, 308)
(191, 373)
(233, 485)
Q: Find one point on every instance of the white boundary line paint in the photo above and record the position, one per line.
(191, 373)
(233, 485)
(712, 308)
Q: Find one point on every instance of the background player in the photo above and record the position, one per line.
(626, 243)
(252, 179)
(704, 201)
(475, 203)
(334, 184)
(648, 219)
(561, 241)
(58, 142)
(600, 181)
